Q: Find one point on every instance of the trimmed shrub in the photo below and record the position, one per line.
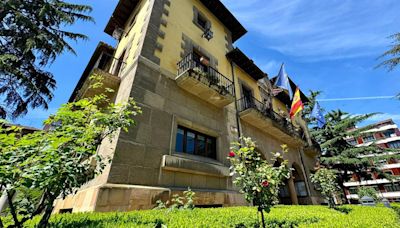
(280, 216)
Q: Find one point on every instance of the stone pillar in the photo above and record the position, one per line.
(292, 191)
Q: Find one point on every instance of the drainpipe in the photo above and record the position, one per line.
(236, 105)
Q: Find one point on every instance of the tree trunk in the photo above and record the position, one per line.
(262, 217)
(341, 185)
(47, 213)
(12, 208)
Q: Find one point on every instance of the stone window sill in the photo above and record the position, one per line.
(194, 165)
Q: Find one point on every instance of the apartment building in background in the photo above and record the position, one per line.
(198, 94)
(385, 134)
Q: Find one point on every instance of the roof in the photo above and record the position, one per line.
(101, 48)
(27, 128)
(120, 15)
(125, 7)
(226, 17)
(244, 62)
(284, 97)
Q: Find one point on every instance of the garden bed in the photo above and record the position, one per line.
(280, 216)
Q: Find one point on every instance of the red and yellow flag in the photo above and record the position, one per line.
(297, 104)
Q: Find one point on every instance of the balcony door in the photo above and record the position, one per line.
(247, 96)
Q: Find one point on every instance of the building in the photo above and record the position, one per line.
(198, 93)
(385, 134)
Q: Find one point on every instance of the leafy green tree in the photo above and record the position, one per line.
(32, 35)
(368, 191)
(340, 155)
(325, 181)
(258, 179)
(393, 54)
(58, 161)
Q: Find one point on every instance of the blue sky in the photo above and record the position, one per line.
(330, 46)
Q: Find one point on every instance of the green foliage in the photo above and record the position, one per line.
(258, 179)
(308, 107)
(368, 191)
(32, 35)
(396, 208)
(280, 216)
(326, 182)
(178, 202)
(393, 54)
(347, 159)
(58, 161)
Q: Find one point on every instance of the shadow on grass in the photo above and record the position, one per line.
(344, 210)
(88, 223)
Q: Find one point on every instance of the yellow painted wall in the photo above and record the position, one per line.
(180, 21)
(132, 33)
(243, 77)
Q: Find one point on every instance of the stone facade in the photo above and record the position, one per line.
(145, 166)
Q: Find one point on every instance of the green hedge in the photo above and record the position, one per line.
(280, 216)
(396, 208)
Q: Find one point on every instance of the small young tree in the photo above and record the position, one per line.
(368, 191)
(58, 161)
(325, 180)
(258, 179)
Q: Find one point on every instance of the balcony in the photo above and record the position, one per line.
(204, 82)
(257, 114)
(108, 68)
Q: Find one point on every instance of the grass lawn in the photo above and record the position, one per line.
(280, 216)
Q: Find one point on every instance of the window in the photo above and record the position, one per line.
(353, 190)
(284, 191)
(192, 142)
(368, 138)
(395, 144)
(200, 20)
(392, 187)
(301, 188)
(388, 133)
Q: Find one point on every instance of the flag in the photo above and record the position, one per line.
(318, 115)
(297, 104)
(282, 82)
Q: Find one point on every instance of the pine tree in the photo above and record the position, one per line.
(339, 154)
(32, 35)
(308, 107)
(393, 53)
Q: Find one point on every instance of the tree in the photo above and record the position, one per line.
(326, 182)
(258, 179)
(393, 54)
(368, 191)
(32, 35)
(308, 107)
(340, 155)
(58, 161)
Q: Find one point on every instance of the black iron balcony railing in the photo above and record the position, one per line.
(266, 110)
(110, 64)
(205, 74)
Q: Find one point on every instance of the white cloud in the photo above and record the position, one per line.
(385, 116)
(317, 30)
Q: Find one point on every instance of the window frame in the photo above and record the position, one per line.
(208, 153)
(196, 15)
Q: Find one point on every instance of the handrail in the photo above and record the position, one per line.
(245, 103)
(110, 64)
(205, 74)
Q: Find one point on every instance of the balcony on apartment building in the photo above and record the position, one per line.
(103, 64)
(198, 78)
(259, 115)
